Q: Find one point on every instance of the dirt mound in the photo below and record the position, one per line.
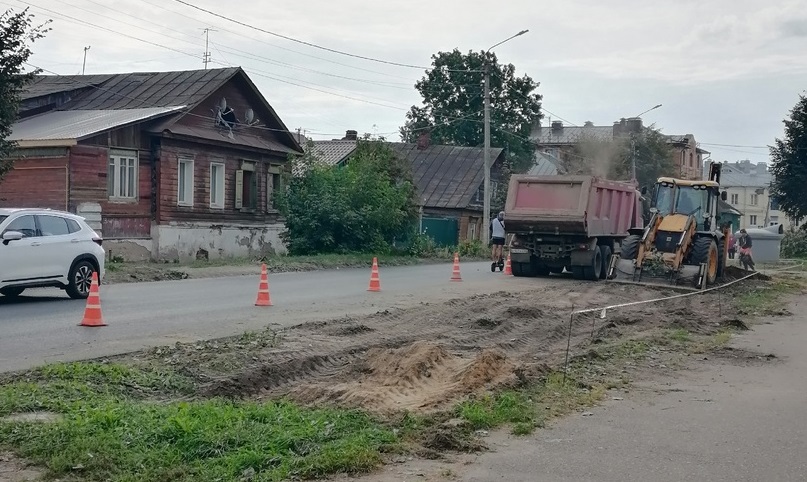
(422, 375)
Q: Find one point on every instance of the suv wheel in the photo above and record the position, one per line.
(11, 292)
(80, 279)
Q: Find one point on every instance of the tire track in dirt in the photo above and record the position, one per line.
(425, 357)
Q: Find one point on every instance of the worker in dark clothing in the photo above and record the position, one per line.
(745, 244)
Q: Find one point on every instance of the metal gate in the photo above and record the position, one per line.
(442, 230)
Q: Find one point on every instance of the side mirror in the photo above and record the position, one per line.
(724, 195)
(9, 236)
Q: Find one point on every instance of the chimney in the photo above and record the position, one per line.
(620, 127)
(351, 135)
(634, 125)
(588, 124)
(424, 139)
(557, 126)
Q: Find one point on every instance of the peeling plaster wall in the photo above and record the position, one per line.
(131, 250)
(187, 241)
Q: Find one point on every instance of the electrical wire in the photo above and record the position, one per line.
(313, 45)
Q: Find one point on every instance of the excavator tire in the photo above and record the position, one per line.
(721, 262)
(704, 250)
(629, 248)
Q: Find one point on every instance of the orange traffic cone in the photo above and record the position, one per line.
(375, 281)
(263, 289)
(455, 276)
(92, 313)
(508, 268)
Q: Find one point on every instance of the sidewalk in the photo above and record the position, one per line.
(720, 421)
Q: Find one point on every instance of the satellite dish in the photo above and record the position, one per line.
(223, 103)
(250, 115)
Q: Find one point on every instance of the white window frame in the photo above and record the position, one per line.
(220, 188)
(735, 199)
(752, 220)
(117, 185)
(271, 172)
(189, 184)
(754, 199)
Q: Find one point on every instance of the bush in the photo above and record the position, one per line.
(362, 207)
(473, 249)
(794, 245)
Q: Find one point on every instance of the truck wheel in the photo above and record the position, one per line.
(522, 269)
(578, 272)
(629, 247)
(541, 270)
(721, 261)
(606, 260)
(592, 273)
(704, 250)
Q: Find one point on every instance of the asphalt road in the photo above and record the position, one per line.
(42, 326)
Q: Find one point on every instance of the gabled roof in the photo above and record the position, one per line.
(65, 127)
(133, 90)
(151, 90)
(445, 176)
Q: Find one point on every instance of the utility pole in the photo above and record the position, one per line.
(206, 55)
(486, 212)
(84, 64)
(486, 204)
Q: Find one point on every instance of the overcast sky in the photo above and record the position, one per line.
(727, 71)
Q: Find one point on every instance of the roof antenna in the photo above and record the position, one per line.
(206, 56)
(84, 64)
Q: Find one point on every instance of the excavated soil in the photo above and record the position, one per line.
(427, 357)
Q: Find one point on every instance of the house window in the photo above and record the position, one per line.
(754, 199)
(272, 185)
(774, 204)
(217, 185)
(246, 186)
(185, 182)
(472, 230)
(735, 198)
(752, 220)
(122, 175)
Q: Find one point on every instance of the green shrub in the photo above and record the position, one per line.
(794, 245)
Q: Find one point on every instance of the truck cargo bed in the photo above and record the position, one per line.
(571, 205)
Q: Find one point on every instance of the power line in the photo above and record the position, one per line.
(273, 77)
(309, 44)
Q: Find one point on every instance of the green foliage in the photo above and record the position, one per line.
(453, 106)
(493, 410)
(789, 163)
(473, 249)
(794, 244)
(105, 432)
(361, 207)
(613, 159)
(17, 32)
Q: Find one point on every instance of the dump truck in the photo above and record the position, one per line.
(568, 222)
(685, 240)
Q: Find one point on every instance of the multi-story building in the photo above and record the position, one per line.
(558, 141)
(748, 187)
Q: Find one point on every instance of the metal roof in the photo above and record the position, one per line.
(571, 135)
(72, 125)
(742, 174)
(133, 90)
(546, 165)
(445, 176)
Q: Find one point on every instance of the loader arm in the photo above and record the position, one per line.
(648, 239)
(684, 243)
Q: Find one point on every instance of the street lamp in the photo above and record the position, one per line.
(486, 212)
(633, 144)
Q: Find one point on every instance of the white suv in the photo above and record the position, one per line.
(46, 248)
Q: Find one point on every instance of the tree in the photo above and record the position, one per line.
(364, 206)
(789, 163)
(17, 32)
(453, 106)
(613, 159)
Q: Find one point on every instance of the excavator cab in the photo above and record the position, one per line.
(684, 239)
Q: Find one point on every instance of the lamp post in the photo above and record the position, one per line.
(633, 144)
(486, 212)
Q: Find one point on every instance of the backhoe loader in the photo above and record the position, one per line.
(683, 242)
